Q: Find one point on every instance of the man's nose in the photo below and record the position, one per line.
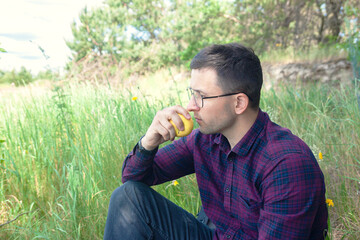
(192, 106)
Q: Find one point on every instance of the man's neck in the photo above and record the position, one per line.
(242, 125)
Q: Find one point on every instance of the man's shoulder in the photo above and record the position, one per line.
(280, 141)
(285, 152)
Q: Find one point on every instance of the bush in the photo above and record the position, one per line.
(47, 75)
(20, 78)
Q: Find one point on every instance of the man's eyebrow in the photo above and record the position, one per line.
(197, 90)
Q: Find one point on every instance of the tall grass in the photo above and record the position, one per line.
(62, 152)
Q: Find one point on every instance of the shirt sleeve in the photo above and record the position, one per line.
(293, 193)
(168, 163)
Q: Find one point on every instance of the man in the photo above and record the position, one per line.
(256, 179)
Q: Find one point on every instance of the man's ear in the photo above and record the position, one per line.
(242, 103)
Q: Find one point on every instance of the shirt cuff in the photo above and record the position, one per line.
(145, 151)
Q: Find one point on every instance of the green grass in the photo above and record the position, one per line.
(61, 154)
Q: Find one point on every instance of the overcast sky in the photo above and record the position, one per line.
(26, 25)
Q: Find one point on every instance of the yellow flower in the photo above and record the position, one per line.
(278, 45)
(134, 98)
(329, 202)
(175, 183)
(320, 156)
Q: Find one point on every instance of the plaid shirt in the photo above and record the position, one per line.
(269, 186)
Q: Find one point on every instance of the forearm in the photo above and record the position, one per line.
(159, 165)
(138, 164)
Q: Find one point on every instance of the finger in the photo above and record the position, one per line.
(169, 127)
(182, 111)
(172, 134)
(178, 122)
(164, 133)
(173, 115)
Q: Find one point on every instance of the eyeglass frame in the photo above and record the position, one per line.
(191, 91)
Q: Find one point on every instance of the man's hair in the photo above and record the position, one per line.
(237, 67)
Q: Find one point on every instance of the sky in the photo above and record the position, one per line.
(28, 25)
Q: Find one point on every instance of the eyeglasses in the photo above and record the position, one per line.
(199, 99)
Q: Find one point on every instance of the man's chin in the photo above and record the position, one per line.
(205, 131)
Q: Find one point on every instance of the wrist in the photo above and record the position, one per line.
(143, 147)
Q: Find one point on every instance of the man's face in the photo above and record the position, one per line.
(217, 114)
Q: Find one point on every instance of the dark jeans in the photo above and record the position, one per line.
(136, 212)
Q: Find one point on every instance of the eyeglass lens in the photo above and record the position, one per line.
(197, 97)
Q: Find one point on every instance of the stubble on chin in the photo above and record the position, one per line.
(205, 130)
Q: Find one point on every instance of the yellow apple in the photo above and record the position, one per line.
(188, 125)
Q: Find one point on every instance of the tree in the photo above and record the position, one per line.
(147, 35)
(96, 34)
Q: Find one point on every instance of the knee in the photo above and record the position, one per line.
(130, 190)
(133, 187)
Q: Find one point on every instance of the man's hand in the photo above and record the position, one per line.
(161, 129)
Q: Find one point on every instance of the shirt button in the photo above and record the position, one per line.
(228, 236)
(227, 189)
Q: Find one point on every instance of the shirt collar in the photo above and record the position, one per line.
(243, 147)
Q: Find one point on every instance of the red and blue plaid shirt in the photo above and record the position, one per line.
(269, 186)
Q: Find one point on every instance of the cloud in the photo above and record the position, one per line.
(19, 36)
(27, 57)
(46, 23)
